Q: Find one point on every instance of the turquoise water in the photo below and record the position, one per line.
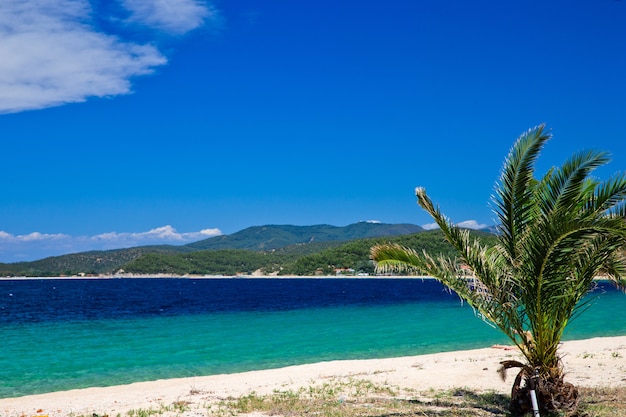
(59, 355)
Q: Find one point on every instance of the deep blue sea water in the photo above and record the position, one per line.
(58, 334)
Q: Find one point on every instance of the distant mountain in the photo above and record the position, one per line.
(270, 237)
(490, 229)
(289, 240)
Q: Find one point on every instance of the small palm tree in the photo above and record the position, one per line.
(555, 235)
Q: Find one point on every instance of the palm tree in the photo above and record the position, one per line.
(555, 235)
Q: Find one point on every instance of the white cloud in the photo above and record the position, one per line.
(210, 232)
(52, 54)
(31, 237)
(161, 234)
(471, 224)
(35, 245)
(173, 16)
(467, 224)
(36, 236)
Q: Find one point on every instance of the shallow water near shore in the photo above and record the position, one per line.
(64, 334)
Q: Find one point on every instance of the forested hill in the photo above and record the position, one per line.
(92, 262)
(300, 240)
(350, 258)
(270, 237)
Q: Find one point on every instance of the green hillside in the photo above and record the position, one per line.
(352, 255)
(355, 255)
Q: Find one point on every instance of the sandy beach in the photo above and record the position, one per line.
(591, 363)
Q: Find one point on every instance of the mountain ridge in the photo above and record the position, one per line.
(256, 237)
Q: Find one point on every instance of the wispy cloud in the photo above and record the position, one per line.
(32, 246)
(467, 224)
(173, 16)
(52, 53)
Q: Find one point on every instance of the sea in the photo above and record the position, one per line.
(60, 334)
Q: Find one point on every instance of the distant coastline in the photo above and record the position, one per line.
(191, 276)
(293, 251)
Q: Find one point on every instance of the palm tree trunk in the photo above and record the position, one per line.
(552, 392)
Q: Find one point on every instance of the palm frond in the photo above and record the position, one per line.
(609, 196)
(567, 185)
(513, 197)
(393, 257)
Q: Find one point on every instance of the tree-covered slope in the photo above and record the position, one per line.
(351, 255)
(210, 262)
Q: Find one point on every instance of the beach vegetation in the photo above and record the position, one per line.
(355, 397)
(555, 235)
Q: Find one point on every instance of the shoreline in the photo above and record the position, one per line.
(595, 362)
(190, 276)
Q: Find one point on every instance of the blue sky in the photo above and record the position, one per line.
(131, 122)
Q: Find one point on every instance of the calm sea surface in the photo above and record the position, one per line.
(60, 334)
